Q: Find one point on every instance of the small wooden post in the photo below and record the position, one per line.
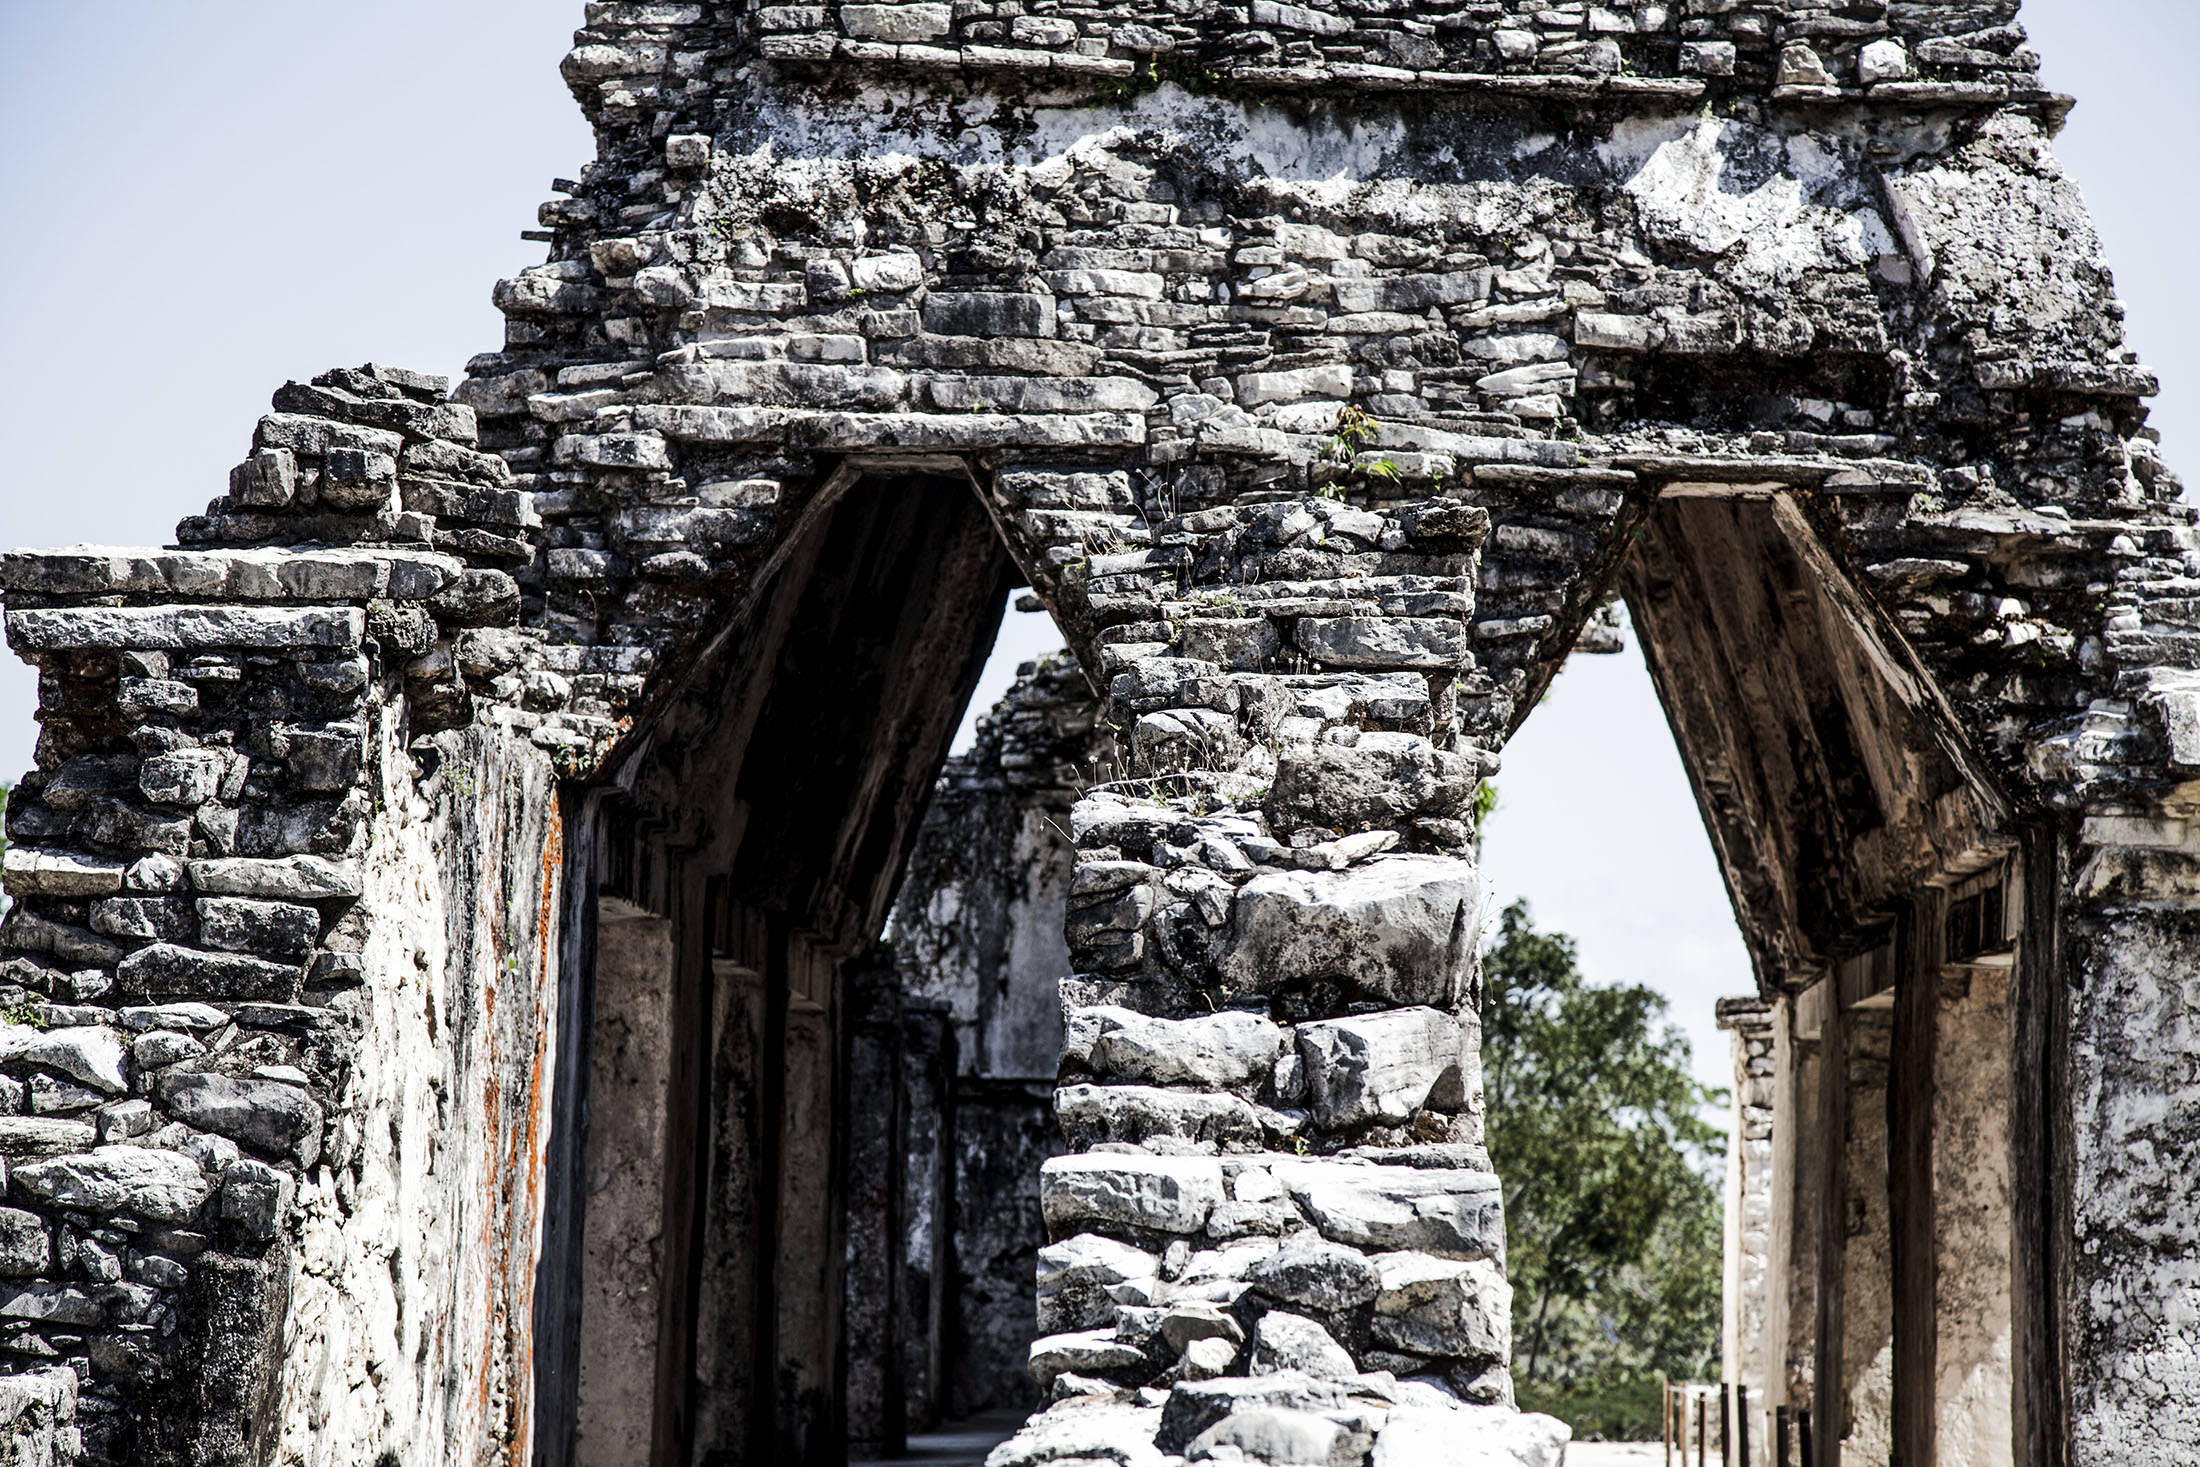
(1726, 1426)
(1702, 1437)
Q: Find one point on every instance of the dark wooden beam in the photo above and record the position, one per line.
(687, 1159)
(2041, 1158)
(1829, 1408)
(1920, 940)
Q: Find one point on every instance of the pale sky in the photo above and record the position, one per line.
(206, 198)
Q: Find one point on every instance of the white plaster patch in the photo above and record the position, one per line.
(1773, 232)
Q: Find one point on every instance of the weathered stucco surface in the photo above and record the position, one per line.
(419, 1251)
(1972, 1184)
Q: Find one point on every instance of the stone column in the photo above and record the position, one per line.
(1972, 1075)
(2133, 1214)
(1278, 1229)
(1749, 1358)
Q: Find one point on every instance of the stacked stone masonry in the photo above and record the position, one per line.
(1326, 373)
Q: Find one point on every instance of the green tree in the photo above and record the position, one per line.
(1611, 1212)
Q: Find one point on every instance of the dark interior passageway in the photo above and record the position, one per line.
(738, 870)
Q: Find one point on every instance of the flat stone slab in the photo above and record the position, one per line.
(186, 628)
(1164, 1194)
(1452, 1213)
(234, 575)
(1401, 927)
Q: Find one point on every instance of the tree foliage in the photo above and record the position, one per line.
(1612, 1215)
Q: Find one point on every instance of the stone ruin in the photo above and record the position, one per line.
(447, 1021)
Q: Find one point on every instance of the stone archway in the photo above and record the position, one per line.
(1323, 373)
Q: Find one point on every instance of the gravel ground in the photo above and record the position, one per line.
(1615, 1454)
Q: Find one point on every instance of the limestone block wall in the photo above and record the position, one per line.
(1322, 418)
(1271, 1085)
(274, 971)
(1915, 53)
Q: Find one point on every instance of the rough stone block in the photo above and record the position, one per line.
(185, 628)
(25, 1248)
(1272, 1434)
(1401, 927)
(162, 1048)
(687, 150)
(139, 1181)
(1291, 1342)
(1469, 1436)
(90, 1053)
(1450, 1212)
(37, 1412)
(278, 930)
(316, 574)
(905, 22)
(1194, 1406)
(123, 1120)
(1218, 1051)
(323, 760)
(1183, 1321)
(188, 777)
(1315, 1274)
(356, 480)
(1088, 1352)
(1382, 1067)
(267, 480)
(1091, 1114)
(50, 1096)
(1385, 641)
(983, 312)
(255, 1197)
(1076, 1274)
(286, 878)
(268, 1115)
(1442, 1306)
(38, 1136)
(1081, 1431)
(196, 1016)
(312, 436)
(1600, 332)
(29, 871)
(1296, 385)
(1239, 643)
(64, 1305)
(1039, 394)
(1413, 292)
(27, 932)
(1162, 1194)
(1384, 779)
(1707, 58)
(892, 272)
(168, 968)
